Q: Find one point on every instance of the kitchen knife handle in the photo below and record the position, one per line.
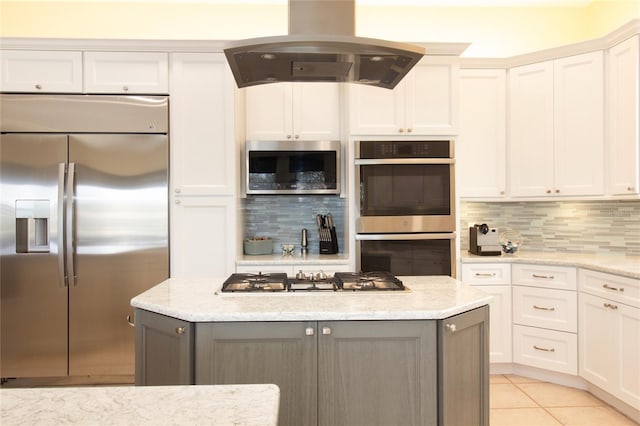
(62, 279)
(69, 228)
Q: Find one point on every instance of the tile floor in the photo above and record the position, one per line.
(519, 401)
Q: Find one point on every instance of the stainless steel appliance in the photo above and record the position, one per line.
(338, 282)
(484, 241)
(292, 167)
(321, 46)
(406, 207)
(84, 229)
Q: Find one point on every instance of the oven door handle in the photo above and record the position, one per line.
(382, 161)
(421, 236)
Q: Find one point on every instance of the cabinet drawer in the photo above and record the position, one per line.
(486, 273)
(546, 276)
(621, 289)
(545, 308)
(126, 72)
(41, 71)
(552, 350)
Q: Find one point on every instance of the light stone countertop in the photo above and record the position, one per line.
(219, 405)
(294, 259)
(198, 300)
(627, 266)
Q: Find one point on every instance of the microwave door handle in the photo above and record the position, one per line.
(423, 236)
(381, 161)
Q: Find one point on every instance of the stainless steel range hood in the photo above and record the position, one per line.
(321, 46)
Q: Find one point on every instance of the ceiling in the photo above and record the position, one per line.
(489, 3)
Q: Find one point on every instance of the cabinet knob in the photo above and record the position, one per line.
(326, 330)
(177, 201)
(501, 192)
(451, 327)
(180, 330)
(630, 188)
(409, 130)
(177, 190)
(309, 331)
(557, 191)
(39, 86)
(125, 88)
(548, 191)
(288, 136)
(130, 321)
(297, 136)
(400, 130)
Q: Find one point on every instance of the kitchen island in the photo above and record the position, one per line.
(416, 357)
(152, 405)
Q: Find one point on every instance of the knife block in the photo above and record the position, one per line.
(330, 246)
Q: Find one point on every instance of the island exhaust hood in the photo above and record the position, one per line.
(321, 46)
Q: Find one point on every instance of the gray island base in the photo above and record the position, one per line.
(415, 358)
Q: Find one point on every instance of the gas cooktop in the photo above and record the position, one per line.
(339, 282)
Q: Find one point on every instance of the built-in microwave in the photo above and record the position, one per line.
(292, 167)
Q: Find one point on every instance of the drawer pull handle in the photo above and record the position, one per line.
(538, 348)
(546, 277)
(542, 308)
(485, 274)
(611, 306)
(608, 287)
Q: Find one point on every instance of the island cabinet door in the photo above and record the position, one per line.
(164, 350)
(377, 373)
(463, 369)
(281, 353)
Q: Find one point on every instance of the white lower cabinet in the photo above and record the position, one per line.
(495, 279)
(549, 349)
(610, 336)
(545, 317)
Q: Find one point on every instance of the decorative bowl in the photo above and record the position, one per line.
(510, 241)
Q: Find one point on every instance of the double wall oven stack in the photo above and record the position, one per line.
(406, 207)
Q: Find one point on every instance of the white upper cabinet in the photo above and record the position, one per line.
(481, 142)
(203, 147)
(556, 113)
(126, 72)
(40, 71)
(297, 111)
(624, 117)
(425, 102)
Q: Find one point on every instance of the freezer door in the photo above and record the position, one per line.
(120, 213)
(33, 294)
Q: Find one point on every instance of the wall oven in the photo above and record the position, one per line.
(406, 207)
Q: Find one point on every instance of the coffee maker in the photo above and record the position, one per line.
(483, 240)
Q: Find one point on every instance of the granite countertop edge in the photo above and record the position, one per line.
(626, 266)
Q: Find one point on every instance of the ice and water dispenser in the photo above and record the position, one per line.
(32, 226)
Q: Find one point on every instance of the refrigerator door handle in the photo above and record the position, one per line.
(69, 224)
(62, 279)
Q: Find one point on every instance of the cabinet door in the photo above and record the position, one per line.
(481, 143)
(629, 347)
(126, 72)
(40, 71)
(164, 350)
(377, 111)
(431, 97)
(203, 236)
(203, 146)
(579, 125)
(463, 369)
(531, 129)
(269, 111)
(499, 323)
(316, 111)
(623, 89)
(377, 373)
(282, 353)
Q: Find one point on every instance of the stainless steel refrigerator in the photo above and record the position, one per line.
(84, 228)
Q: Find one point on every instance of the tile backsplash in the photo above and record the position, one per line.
(282, 218)
(588, 227)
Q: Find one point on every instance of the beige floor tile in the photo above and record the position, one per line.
(503, 395)
(590, 416)
(520, 379)
(552, 395)
(498, 378)
(521, 417)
